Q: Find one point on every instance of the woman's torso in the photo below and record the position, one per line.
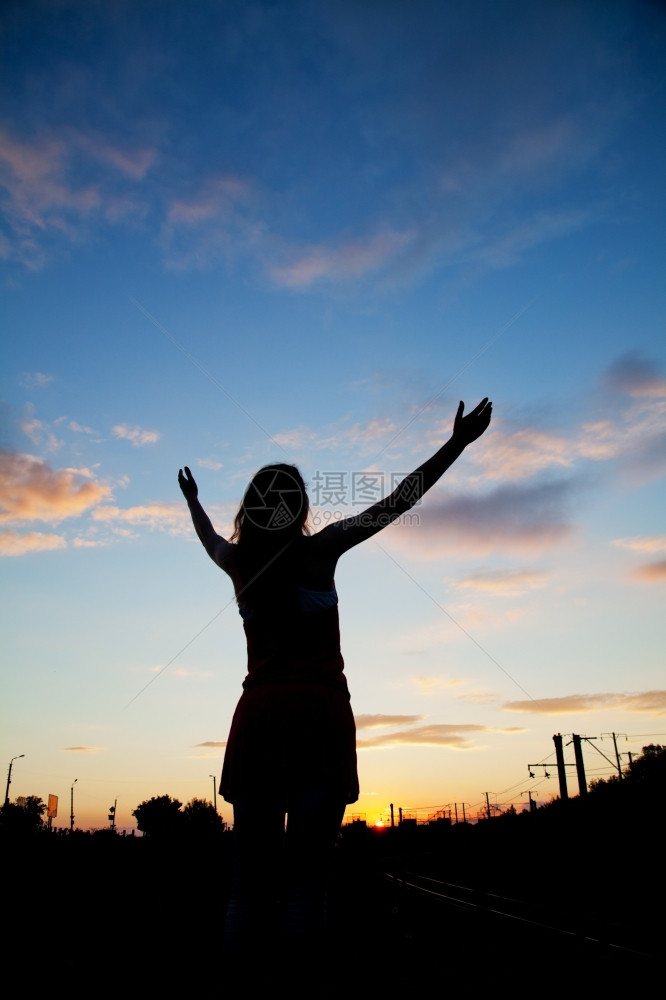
(290, 616)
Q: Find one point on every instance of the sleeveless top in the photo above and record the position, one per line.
(298, 646)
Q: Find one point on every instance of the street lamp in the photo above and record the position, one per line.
(71, 806)
(214, 791)
(9, 777)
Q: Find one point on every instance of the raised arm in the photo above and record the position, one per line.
(217, 547)
(343, 535)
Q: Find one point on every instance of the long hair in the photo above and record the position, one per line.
(270, 522)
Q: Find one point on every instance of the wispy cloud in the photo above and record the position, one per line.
(380, 721)
(43, 196)
(352, 259)
(38, 432)
(650, 702)
(507, 248)
(30, 490)
(89, 543)
(214, 199)
(216, 744)
(80, 428)
(435, 735)
(169, 517)
(512, 518)
(635, 375)
(210, 463)
(217, 223)
(649, 572)
(82, 749)
(133, 162)
(35, 380)
(647, 543)
(431, 685)
(136, 435)
(522, 454)
(652, 572)
(508, 583)
(363, 436)
(17, 543)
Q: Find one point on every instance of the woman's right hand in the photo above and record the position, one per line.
(188, 485)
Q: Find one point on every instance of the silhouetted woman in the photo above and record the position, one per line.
(292, 746)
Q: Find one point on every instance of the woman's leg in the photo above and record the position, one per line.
(252, 920)
(313, 823)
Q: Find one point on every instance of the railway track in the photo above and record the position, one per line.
(543, 923)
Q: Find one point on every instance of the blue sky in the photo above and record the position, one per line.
(238, 232)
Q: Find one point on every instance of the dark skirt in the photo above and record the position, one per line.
(289, 737)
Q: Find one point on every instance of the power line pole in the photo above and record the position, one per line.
(580, 766)
(561, 769)
(617, 752)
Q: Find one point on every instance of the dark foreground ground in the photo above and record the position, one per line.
(102, 915)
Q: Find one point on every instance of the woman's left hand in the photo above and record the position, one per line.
(188, 484)
(470, 427)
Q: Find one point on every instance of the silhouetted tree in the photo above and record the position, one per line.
(24, 816)
(202, 819)
(650, 767)
(159, 816)
(647, 773)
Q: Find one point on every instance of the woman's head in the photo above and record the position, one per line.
(275, 506)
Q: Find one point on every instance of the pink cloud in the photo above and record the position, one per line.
(42, 196)
(30, 490)
(509, 583)
(435, 735)
(134, 163)
(216, 196)
(17, 543)
(379, 721)
(352, 260)
(522, 454)
(136, 435)
(651, 702)
(647, 543)
(169, 517)
(635, 375)
(651, 572)
(511, 518)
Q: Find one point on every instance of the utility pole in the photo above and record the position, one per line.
(392, 818)
(112, 815)
(580, 766)
(488, 813)
(617, 752)
(214, 791)
(533, 805)
(561, 770)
